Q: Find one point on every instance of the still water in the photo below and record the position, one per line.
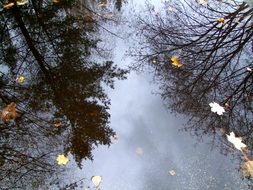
(126, 134)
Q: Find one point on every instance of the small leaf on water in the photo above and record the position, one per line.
(114, 138)
(56, 1)
(22, 2)
(172, 172)
(8, 5)
(139, 151)
(96, 180)
(57, 123)
(203, 2)
(249, 69)
(236, 141)
(20, 79)
(175, 61)
(247, 168)
(221, 20)
(9, 112)
(216, 108)
(62, 160)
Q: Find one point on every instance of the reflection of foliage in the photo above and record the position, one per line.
(61, 105)
(215, 56)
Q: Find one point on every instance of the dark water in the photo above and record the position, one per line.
(79, 98)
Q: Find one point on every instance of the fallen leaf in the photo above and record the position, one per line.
(139, 151)
(114, 138)
(56, 1)
(216, 108)
(8, 5)
(175, 61)
(247, 168)
(221, 20)
(9, 112)
(20, 79)
(57, 123)
(22, 2)
(203, 2)
(96, 180)
(236, 141)
(62, 160)
(154, 60)
(248, 69)
(172, 172)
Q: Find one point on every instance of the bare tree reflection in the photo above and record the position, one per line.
(214, 46)
(62, 105)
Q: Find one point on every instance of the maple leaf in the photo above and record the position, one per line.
(216, 108)
(57, 123)
(139, 151)
(56, 1)
(96, 180)
(247, 168)
(172, 172)
(203, 2)
(221, 20)
(236, 141)
(22, 2)
(9, 112)
(8, 5)
(249, 69)
(20, 79)
(62, 160)
(175, 61)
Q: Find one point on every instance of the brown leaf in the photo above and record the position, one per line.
(9, 112)
(247, 168)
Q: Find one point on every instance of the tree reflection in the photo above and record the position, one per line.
(62, 104)
(214, 45)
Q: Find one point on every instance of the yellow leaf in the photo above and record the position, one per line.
(221, 20)
(9, 112)
(56, 1)
(62, 160)
(20, 79)
(22, 2)
(96, 180)
(247, 168)
(175, 61)
(8, 5)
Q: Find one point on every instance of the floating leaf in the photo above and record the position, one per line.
(62, 160)
(20, 79)
(247, 168)
(175, 61)
(8, 5)
(22, 2)
(57, 123)
(139, 151)
(203, 2)
(236, 141)
(154, 60)
(172, 172)
(249, 69)
(114, 138)
(56, 1)
(221, 20)
(216, 108)
(96, 180)
(9, 112)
